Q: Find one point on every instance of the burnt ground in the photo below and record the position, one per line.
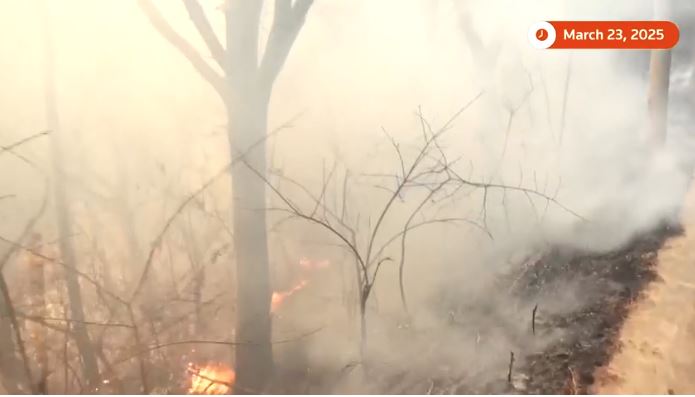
(591, 333)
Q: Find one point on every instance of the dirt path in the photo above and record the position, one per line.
(657, 341)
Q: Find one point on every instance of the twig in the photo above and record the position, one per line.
(10, 147)
(411, 170)
(533, 319)
(511, 367)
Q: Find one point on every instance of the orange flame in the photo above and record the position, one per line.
(278, 298)
(309, 264)
(211, 379)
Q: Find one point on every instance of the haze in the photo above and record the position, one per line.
(557, 142)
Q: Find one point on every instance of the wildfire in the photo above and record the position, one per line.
(278, 298)
(308, 264)
(211, 379)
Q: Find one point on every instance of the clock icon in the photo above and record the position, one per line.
(542, 35)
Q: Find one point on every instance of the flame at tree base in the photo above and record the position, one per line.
(211, 379)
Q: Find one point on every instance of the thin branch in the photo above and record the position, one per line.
(401, 264)
(418, 225)
(339, 219)
(321, 198)
(27, 228)
(526, 191)
(415, 163)
(10, 147)
(45, 320)
(397, 148)
(213, 342)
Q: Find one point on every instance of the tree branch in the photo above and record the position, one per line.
(287, 22)
(27, 228)
(186, 49)
(22, 141)
(212, 342)
(200, 20)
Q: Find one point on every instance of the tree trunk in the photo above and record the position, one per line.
(84, 344)
(659, 74)
(37, 300)
(67, 253)
(14, 372)
(245, 89)
(247, 110)
(254, 359)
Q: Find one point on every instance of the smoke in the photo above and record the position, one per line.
(568, 125)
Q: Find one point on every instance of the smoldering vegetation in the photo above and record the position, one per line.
(420, 157)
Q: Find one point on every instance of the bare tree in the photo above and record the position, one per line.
(63, 213)
(429, 173)
(245, 86)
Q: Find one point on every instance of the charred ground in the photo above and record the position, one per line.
(591, 333)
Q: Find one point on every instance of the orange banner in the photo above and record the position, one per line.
(628, 35)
